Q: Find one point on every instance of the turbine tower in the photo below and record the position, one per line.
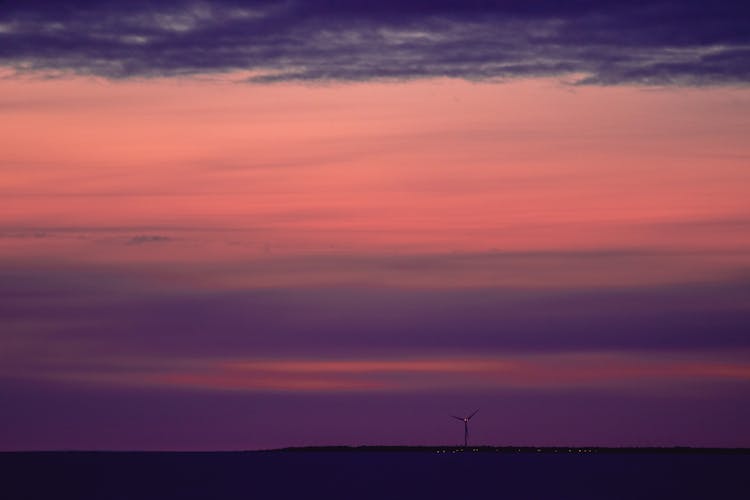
(465, 420)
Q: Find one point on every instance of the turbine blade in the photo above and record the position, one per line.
(475, 412)
(457, 418)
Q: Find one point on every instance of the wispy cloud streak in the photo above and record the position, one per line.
(552, 371)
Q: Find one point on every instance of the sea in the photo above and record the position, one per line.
(385, 474)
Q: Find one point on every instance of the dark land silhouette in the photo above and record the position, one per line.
(519, 449)
(380, 472)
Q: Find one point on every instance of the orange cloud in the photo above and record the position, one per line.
(548, 371)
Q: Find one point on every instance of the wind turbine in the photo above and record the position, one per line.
(465, 420)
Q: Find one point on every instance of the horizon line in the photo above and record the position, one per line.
(432, 448)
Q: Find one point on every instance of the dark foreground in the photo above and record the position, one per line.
(378, 473)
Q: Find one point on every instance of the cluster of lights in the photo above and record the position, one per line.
(518, 450)
(459, 450)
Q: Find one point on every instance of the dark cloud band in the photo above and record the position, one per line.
(606, 42)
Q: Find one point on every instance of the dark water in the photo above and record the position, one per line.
(382, 475)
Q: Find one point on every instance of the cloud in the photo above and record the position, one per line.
(606, 42)
(101, 313)
(555, 371)
(146, 238)
(25, 235)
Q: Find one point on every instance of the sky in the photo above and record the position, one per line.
(246, 225)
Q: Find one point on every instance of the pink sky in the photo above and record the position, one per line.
(238, 172)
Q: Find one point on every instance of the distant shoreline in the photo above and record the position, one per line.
(514, 449)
